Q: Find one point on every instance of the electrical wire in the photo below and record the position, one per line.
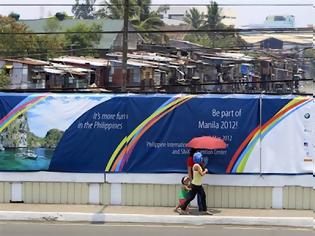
(179, 4)
(229, 31)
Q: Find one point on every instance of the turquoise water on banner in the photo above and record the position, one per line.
(25, 159)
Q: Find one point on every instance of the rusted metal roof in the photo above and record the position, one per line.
(28, 61)
(82, 60)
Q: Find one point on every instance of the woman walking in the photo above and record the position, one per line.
(196, 185)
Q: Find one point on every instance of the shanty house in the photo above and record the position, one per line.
(25, 73)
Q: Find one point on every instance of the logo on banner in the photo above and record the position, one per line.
(307, 116)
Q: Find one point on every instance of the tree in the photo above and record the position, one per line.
(83, 10)
(140, 15)
(211, 21)
(148, 22)
(4, 79)
(14, 15)
(82, 41)
(194, 18)
(310, 53)
(11, 44)
(213, 17)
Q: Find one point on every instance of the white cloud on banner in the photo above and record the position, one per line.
(59, 112)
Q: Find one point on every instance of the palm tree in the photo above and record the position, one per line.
(84, 10)
(150, 22)
(114, 9)
(194, 18)
(213, 17)
(140, 15)
(213, 21)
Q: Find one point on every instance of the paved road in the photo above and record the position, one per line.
(58, 229)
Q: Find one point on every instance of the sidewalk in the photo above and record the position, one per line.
(162, 215)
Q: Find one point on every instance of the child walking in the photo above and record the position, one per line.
(183, 193)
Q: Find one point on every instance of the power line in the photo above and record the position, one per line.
(179, 4)
(230, 30)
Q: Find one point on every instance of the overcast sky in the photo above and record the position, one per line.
(245, 14)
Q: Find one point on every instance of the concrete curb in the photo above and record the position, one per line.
(301, 222)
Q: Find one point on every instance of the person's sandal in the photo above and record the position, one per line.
(183, 212)
(206, 213)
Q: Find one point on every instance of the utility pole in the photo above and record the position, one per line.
(125, 47)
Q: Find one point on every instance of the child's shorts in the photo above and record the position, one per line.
(182, 201)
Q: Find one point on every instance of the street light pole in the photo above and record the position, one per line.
(125, 47)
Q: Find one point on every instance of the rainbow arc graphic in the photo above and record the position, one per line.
(242, 154)
(125, 148)
(25, 105)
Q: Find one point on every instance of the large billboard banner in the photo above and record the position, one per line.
(128, 133)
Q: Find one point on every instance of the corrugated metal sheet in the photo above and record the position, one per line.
(301, 38)
(239, 197)
(105, 194)
(65, 193)
(5, 192)
(217, 196)
(295, 197)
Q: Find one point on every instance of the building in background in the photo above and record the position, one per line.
(280, 21)
(274, 21)
(286, 41)
(175, 15)
(108, 41)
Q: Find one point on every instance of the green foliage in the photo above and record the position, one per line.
(52, 138)
(52, 25)
(4, 79)
(15, 44)
(310, 53)
(84, 10)
(33, 140)
(213, 17)
(194, 18)
(210, 21)
(50, 45)
(85, 40)
(44, 46)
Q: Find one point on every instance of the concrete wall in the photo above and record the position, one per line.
(5, 192)
(217, 196)
(278, 192)
(165, 195)
(66, 193)
(295, 197)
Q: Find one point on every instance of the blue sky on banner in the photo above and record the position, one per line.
(59, 112)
